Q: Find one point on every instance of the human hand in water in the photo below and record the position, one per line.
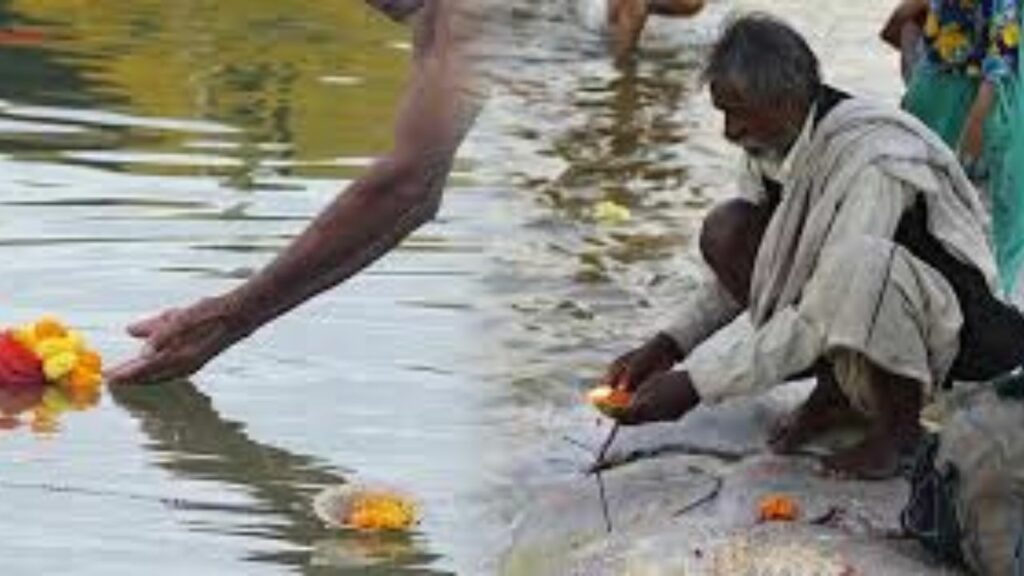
(656, 356)
(178, 342)
(664, 397)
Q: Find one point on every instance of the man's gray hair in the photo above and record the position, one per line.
(766, 59)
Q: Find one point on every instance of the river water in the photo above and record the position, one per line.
(152, 152)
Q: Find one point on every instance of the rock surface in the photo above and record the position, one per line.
(683, 499)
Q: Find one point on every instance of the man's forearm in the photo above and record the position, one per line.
(369, 219)
(398, 194)
(707, 310)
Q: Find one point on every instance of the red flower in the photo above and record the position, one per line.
(19, 366)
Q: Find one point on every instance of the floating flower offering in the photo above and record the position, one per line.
(612, 213)
(777, 508)
(365, 509)
(610, 401)
(45, 369)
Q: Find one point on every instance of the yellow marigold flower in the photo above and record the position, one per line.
(50, 327)
(76, 339)
(26, 337)
(1011, 35)
(950, 41)
(59, 365)
(381, 511)
(49, 347)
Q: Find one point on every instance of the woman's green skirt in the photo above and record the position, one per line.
(942, 100)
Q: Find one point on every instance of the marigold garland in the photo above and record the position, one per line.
(46, 368)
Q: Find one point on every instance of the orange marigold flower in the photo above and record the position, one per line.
(777, 508)
(90, 360)
(381, 511)
(609, 400)
(82, 378)
(49, 327)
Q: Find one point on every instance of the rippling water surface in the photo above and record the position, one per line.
(152, 152)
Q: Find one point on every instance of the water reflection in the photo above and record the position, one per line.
(584, 288)
(194, 442)
(261, 81)
(40, 408)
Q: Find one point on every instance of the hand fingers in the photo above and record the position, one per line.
(144, 328)
(662, 398)
(618, 373)
(638, 411)
(144, 368)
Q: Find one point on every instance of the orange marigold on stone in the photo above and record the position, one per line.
(777, 508)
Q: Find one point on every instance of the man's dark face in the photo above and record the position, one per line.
(765, 132)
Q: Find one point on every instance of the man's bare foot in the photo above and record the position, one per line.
(824, 409)
(877, 457)
(808, 422)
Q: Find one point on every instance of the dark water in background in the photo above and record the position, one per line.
(152, 152)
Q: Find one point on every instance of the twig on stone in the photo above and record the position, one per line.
(578, 444)
(605, 513)
(716, 487)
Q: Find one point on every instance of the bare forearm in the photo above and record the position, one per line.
(984, 99)
(399, 193)
(364, 223)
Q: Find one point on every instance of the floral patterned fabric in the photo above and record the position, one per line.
(978, 37)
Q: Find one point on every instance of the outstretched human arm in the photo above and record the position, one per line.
(400, 192)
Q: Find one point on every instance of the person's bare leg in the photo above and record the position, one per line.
(823, 410)
(893, 429)
(674, 8)
(729, 239)
(626, 19)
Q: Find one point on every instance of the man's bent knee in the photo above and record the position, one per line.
(729, 239)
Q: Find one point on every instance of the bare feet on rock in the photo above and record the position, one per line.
(823, 410)
(877, 457)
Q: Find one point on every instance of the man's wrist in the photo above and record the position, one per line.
(237, 314)
(667, 347)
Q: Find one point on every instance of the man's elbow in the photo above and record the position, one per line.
(417, 185)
